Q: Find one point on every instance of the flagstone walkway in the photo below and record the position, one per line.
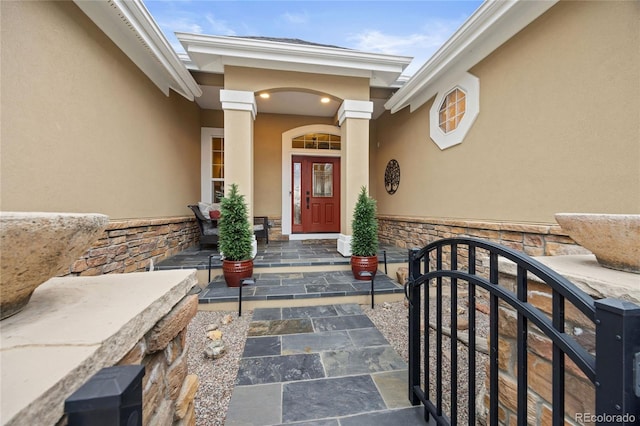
(324, 365)
(319, 365)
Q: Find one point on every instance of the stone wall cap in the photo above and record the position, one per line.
(588, 275)
(153, 221)
(72, 328)
(535, 228)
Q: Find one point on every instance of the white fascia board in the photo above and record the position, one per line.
(292, 57)
(130, 26)
(495, 22)
(206, 62)
(186, 60)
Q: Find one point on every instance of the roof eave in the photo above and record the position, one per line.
(211, 53)
(130, 26)
(495, 22)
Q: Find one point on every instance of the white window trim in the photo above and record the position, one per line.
(288, 152)
(470, 85)
(206, 133)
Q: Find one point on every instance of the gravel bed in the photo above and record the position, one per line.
(217, 377)
(392, 321)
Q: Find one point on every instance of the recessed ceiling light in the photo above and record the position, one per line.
(264, 95)
(325, 100)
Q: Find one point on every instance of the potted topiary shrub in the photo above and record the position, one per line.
(235, 232)
(364, 238)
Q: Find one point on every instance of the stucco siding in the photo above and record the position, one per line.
(240, 78)
(212, 118)
(558, 128)
(268, 130)
(83, 129)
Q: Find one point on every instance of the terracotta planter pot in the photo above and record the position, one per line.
(363, 263)
(235, 271)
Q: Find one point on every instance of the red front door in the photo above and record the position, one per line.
(316, 194)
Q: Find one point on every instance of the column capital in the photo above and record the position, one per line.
(355, 109)
(239, 100)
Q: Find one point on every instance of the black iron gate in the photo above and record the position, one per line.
(470, 266)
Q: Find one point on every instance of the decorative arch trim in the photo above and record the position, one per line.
(288, 152)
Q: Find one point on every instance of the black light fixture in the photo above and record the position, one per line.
(112, 397)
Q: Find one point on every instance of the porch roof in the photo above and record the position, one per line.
(131, 27)
(211, 53)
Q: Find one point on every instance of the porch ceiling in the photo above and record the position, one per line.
(291, 102)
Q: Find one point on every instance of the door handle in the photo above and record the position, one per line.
(307, 203)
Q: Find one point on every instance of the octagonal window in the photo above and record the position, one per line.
(452, 110)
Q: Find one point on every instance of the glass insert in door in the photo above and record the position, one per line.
(297, 193)
(322, 180)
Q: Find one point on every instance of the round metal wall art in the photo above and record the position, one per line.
(392, 176)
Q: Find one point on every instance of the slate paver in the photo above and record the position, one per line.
(284, 368)
(262, 346)
(278, 327)
(255, 405)
(363, 337)
(342, 323)
(318, 399)
(404, 417)
(393, 387)
(361, 360)
(316, 342)
(309, 312)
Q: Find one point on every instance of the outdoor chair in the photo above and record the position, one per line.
(209, 227)
(261, 227)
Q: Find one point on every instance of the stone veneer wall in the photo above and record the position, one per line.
(75, 326)
(401, 231)
(593, 279)
(579, 391)
(167, 390)
(129, 245)
(275, 229)
(532, 239)
(551, 246)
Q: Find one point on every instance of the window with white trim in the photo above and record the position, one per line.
(454, 111)
(316, 141)
(217, 168)
(211, 164)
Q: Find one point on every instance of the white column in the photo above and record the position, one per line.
(353, 117)
(239, 113)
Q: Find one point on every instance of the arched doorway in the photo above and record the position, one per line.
(311, 182)
(315, 200)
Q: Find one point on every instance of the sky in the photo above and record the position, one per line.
(406, 28)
